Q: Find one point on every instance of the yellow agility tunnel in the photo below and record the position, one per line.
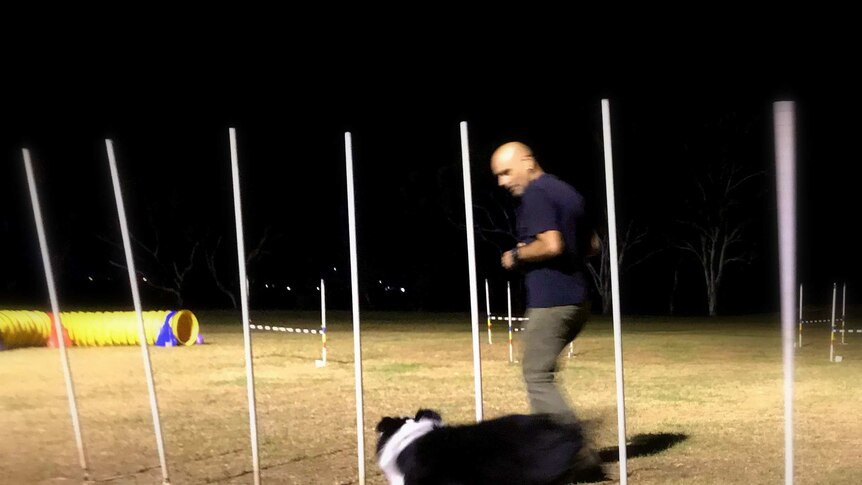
(87, 329)
(24, 328)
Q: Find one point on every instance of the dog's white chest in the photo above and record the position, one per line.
(409, 432)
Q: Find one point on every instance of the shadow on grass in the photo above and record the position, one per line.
(643, 445)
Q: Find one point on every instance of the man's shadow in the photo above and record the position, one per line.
(644, 444)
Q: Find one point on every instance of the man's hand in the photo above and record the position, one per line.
(508, 260)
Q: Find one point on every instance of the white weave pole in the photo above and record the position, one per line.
(615, 289)
(471, 263)
(509, 308)
(136, 300)
(488, 310)
(55, 310)
(243, 292)
(785, 171)
(843, 312)
(322, 321)
(354, 293)
(800, 316)
(832, 327)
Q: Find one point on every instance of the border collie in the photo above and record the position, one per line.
(535, 449)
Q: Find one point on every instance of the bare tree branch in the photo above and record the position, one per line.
(600, 270)
(259, 251)
(150, 282)
(210, 258)
(158, 271)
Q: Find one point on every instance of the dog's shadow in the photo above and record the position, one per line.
(644, 444)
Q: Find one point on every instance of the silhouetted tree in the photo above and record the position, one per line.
(714, 229)
(157, 268)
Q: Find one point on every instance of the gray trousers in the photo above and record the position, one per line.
(548, 331)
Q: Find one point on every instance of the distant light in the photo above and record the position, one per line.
(288, 288)
(144, 278)
(318, 288)
(266, 285)
(90, 278)
(403, 290)
(388, 288)
(334, 268)
(380, 282)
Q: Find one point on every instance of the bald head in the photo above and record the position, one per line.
(515, 167)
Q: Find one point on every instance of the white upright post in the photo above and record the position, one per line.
(832, 333)
(322, 322)
(509, 306)
(843, 312)
(800, 316)
(488, 310)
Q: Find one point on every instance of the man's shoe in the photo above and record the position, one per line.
(588, 465)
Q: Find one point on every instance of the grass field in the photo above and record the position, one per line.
(711, 390)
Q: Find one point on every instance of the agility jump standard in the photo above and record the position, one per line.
(509, 319)
(842, 319)
(309, 331)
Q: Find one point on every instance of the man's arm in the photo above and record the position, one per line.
(547, 245)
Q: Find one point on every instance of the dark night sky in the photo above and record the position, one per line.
(169, 116)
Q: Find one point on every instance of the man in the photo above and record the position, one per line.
(553, 239)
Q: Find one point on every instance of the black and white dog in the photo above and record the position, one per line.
(531, 449)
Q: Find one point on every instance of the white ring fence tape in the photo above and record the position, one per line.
(273, 328)
(514, 319)
(828, 320)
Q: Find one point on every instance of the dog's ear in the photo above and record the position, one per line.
(428, 414)
(389, 425)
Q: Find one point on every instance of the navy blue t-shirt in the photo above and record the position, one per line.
(547, 204)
